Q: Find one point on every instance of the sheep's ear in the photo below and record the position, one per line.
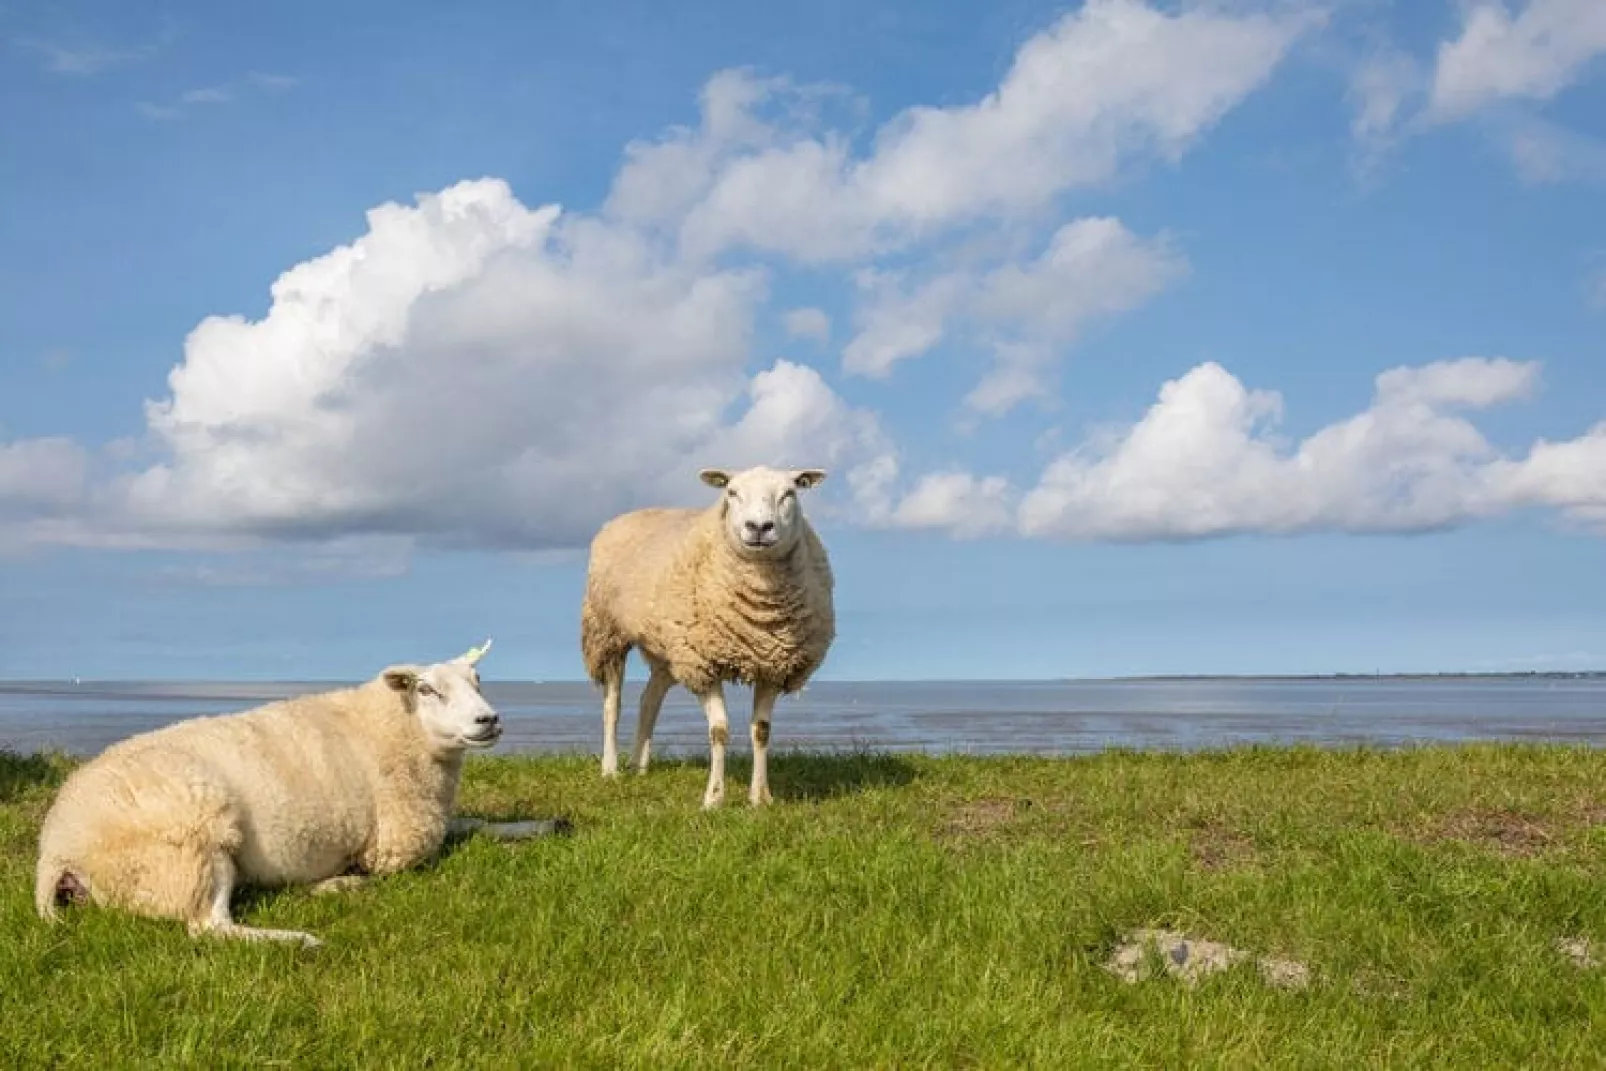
(714, 477)
(401, 679)
(803, 479)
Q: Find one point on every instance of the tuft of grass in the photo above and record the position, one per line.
(888, 911)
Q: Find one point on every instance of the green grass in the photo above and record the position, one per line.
(887, 911)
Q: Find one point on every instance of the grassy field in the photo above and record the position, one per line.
(888, 911)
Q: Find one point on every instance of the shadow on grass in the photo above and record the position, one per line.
(21, 773)
(825, 775)
(806, 775)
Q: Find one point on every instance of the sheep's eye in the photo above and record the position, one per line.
(426, 689)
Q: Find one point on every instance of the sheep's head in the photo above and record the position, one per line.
(762, 517)
(446, 700)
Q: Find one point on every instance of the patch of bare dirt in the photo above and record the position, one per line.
(1216, 846)
(981, 818)
(1592, 813)
(1373, 983)
(1509, 833)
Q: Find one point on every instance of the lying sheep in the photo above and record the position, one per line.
(166, 824)
(740, 592)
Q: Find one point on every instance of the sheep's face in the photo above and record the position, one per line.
(762, 515)
(446, 700)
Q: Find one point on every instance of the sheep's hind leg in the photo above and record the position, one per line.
(613, 684)
(652, 700)
(218, 922)
(764, 696)
(718, 736)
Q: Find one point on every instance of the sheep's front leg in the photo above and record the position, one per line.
(719, 733)
(613, 685)
(652, 700)
(218, 922)
(764, 696)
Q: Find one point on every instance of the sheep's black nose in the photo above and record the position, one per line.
(486, 719)
(759, 529)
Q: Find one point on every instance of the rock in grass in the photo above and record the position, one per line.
(1580, 951)
(1189, 959)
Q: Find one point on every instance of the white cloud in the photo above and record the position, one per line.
(84, 58)
(475, 371)
(41, 477)
(206, 96)
(1544, 152)
(1206, 460)
(1016, 377)
(1570, 476)
(1115, 82)
(895, 323)
(1381, 88)
(1092, 268)
(472, 371)
(1534, 55)
(1024, 312)
(1499, 68)
(808, 323)
(961, 503)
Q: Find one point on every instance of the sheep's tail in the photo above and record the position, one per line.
(602, 645)
(47, 886)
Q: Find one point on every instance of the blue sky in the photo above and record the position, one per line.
(1137, 338)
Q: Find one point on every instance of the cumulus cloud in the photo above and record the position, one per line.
(1534, 54)
(1207, 460)
(954, 501)
(1115, 82)
(475, 371)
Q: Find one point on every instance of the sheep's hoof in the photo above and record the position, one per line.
(760, 799)
(712, 800)
(344, 883)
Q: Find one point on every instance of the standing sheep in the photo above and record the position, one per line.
(740, 591)
(166, 824)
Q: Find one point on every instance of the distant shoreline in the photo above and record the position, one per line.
(1570, 675)
(1155, 678)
